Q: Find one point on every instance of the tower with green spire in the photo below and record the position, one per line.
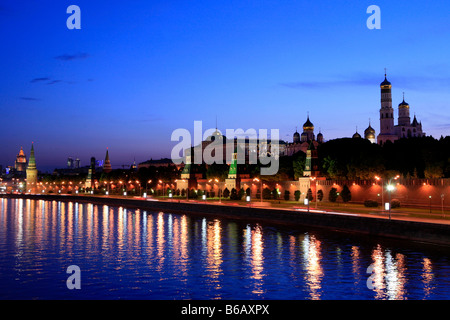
(232, 181)
(311, 164)
(32, 172)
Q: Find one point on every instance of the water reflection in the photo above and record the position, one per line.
(177, 256)
(214, 252)
(312, 266)
(427, 277)
(389, 274)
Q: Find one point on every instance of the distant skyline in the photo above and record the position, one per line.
(135, 72)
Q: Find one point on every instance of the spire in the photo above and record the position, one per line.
(107, 166)
(32, 160)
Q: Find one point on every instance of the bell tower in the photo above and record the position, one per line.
(387, 130)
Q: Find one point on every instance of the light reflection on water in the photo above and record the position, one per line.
(136, 254)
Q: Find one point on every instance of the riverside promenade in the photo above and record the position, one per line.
(420, 229)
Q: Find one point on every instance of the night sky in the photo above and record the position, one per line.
(137, 70)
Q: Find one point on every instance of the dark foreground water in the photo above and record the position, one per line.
(134, 254)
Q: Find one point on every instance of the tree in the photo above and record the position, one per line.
(298, 163)
(234, 194)
(226, 193)
(192, 194)
(346, 194)
(241, 193)
(434, 170)
(332, 196)
(217, 171)
(275, 193)
(286, 195)
(297, 194)
(320, 195)
(267, 194)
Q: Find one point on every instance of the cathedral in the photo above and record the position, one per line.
(302, 142)
(405, 128)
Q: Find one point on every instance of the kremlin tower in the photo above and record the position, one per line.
(21, 161)
(107, 166)
(32, 172)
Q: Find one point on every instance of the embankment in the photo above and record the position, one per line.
(432, 233)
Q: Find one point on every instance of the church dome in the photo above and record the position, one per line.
(403, 104)
(308, 125)
(215, 135)
(385, 82)
(296, 137)
(369, 130)
(356, 135)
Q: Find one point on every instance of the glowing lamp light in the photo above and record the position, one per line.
(145, 195)
(204, 197)
(390, 187)
(247, 198)
(306, 201)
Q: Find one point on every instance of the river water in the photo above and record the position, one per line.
(136, 254)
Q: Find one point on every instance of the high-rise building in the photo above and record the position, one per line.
(70, 163)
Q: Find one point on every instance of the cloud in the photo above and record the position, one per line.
(39, 80)
(356, 80)
(70, 57)
(54, 81)
(29, 99)
(415, 82)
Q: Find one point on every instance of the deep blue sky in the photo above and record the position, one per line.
(137, 70)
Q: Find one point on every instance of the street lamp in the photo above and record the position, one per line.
(147, 182)
(430, 203)
(260, 187)
(219, 190)
(390, 188)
